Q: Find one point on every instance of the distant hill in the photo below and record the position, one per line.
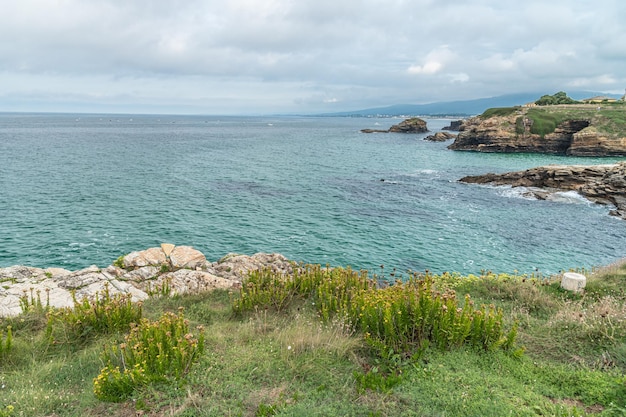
(460, 108)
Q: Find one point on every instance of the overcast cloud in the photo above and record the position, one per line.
(300, 56)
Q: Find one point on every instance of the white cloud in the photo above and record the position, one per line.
(460, 77)
(274, 53)
(429, 68)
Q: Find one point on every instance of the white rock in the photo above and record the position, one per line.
(186, 257)
(152, 256)
(167, 248)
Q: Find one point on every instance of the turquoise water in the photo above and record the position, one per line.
(77, 190)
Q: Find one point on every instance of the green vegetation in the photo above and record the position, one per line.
(88, 318)
(544, 122)
(558, 98)
(152, 352)
(499, 111)
(608, 119)
(329, 342)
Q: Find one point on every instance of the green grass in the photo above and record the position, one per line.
(499, 111)
(607, 118)
(288, 361)
(610, 119)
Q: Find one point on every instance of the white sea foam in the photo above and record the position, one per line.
(528, 193)
(428, 171)
(516, 192)
(572, 197)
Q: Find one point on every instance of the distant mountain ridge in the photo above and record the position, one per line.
(462, 107)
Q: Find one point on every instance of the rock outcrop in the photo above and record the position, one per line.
(602, 184)
(440, 137)
(163, 270)
(454, 126)
(586, 133)
(412, 125)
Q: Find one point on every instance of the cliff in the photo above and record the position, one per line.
(577, 130)
(602, 184)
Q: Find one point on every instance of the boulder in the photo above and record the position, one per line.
(152, 256)
(186, 257)
(440, 137)
(82, 278)
(186, 281)
(236, 267)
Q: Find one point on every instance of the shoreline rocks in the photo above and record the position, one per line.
(162, 270)
(602, 184)
(440, 137)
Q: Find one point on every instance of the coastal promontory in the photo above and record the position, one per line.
(597, 129)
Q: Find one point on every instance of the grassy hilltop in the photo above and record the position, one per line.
(609, 119)
(327, 343)
(553, 124)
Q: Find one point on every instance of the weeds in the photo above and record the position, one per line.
(31, 303)
(6, 343)
(309, 338)
(7, 411)
(103, 315)
(151, 352)
(406, 315)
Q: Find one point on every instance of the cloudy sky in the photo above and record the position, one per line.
(300, 56)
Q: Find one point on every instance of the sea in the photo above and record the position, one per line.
(82, 189)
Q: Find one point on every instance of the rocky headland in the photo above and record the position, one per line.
(167, 269)
(412, 125)
(602, 184)
(577, 130)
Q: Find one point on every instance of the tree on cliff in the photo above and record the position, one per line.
(558, 98)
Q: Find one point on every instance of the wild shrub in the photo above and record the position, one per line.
(330, 289)
(336, 292)
(402, 316)
(151, 352)
(6, 343)
(104, 314)
(30, 302)
(406, 315)
(267, 289)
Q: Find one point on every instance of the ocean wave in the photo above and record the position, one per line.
(572, 197)
(524, 193)
(533, 193)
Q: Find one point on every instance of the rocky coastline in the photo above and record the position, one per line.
(167, 269)
(601, 184)
(584, 135)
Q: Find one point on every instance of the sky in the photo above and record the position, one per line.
(300, 56)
